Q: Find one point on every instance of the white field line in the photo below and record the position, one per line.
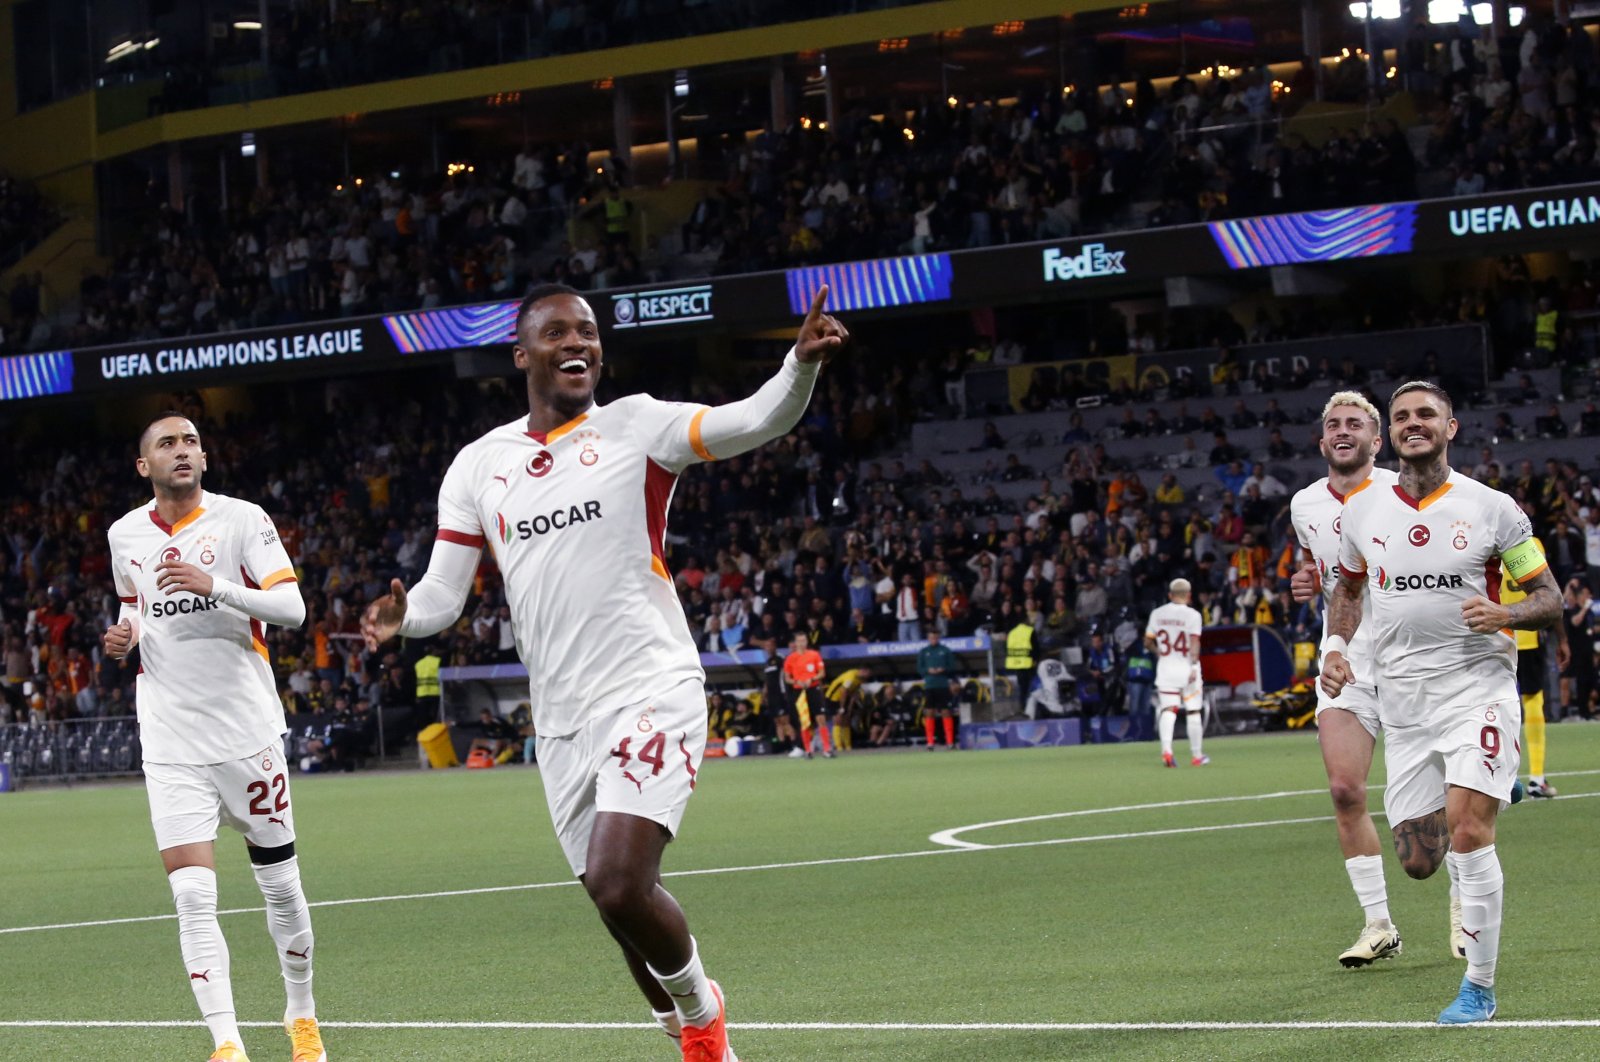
(949, 837)
(848, 1026)
(801, 864)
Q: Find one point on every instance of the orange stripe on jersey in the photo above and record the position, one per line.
(548, 437)
(261, 647)
(659, 568)
(460, 538)
(1357, 489)
(696, 441)
(285, 575)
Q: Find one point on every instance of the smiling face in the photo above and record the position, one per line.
(170, 456)
(1350, 438)
(1420, 426)
(558, 347)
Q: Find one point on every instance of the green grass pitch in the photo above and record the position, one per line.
(1150, 916)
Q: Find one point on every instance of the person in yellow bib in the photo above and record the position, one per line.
(1531, 668)
(841, 697)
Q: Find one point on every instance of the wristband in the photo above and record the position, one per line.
(1335, 644)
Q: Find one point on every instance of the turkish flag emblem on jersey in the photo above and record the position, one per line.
(540, 464)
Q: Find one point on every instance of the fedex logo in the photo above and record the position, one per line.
(1092, 261)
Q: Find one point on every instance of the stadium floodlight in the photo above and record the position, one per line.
(680, 84)
(247, 25)
(247, 145)
(1483, 14)
(1388, 10)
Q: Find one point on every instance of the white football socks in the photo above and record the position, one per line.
(289, 923)
(205, 953)
(1195, 727)
(1167, 724)
(690, 989)
(1483, 891)
(668, 1020)
(1366, 877)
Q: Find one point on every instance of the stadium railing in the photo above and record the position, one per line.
(70, 750)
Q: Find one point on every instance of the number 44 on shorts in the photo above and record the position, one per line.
(653, 753)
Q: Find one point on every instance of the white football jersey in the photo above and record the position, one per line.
(576, 519)
(205, 692)
(1315, 512)
(1423, 558)
(1176, 631)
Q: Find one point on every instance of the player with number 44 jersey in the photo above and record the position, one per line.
(198, 575)
(572, 499)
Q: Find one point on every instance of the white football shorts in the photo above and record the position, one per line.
(1472, 747)
(187, 802)
(1186, 698)
(1360, 699)
(638, 760)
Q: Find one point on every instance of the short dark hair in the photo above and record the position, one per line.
(1424, 385)
(538, 293)
(166, 414)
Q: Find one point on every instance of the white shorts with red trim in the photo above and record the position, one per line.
(1186, 698)
(638, 760)
(1472, 747)
(1360, 699)
(188, 802)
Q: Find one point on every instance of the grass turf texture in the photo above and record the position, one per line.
(1235, 925)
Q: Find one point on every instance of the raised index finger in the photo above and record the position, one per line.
(818, 301)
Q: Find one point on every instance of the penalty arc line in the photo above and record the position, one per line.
(709, 871)
(846, 1026)
(705, 872)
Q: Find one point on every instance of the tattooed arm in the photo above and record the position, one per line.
(1344, 616)
(1540, 609)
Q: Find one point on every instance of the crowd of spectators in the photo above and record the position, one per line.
(816, 534)
(888, 177)
(313, 45)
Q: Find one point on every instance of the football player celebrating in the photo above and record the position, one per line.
(572, 499)
(1427, 551)
(210, 721)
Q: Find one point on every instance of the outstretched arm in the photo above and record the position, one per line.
(774, 410)
(430, 606)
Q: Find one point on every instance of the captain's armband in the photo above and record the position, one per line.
(1524, 560)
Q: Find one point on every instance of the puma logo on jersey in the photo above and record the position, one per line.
(505, 480)
(1384, 541)
(1312, 528)
(136, 564)
(203, 975)
(273, 818)
(1489, 767)
(638, 784)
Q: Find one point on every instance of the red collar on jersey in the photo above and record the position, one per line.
(173, 529)
(1357, 489)
(1422, 503)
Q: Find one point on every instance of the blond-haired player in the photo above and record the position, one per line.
(1347, 725)
(1173, 634)
(210, 722)
(1428, 553)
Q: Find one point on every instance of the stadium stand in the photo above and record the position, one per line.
(907, 467)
